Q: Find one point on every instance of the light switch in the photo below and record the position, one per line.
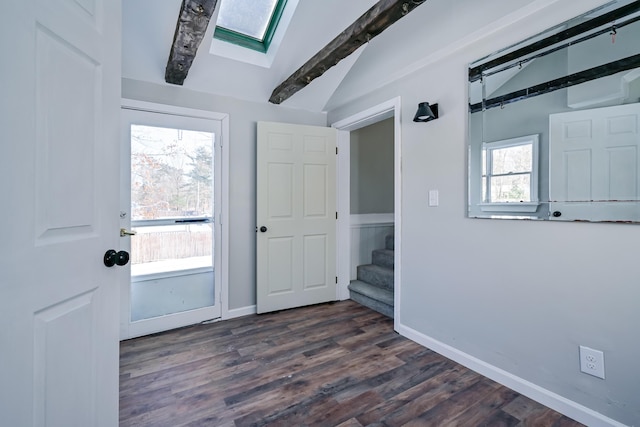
(433, 197)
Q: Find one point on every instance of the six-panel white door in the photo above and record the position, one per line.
(59, 165)
(594, 160)
(296, 216)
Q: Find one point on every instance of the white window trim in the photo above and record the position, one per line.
(171, 273)
(171, 221)
(530, 206)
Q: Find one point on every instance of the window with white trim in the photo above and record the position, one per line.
(510, 174)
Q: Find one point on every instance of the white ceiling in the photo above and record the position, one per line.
(149, 25)
(420, 37)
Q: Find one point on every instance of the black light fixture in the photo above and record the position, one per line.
(426, 112)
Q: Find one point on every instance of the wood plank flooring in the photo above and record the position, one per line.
(337, 364)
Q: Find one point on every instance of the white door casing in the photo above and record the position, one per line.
(59, 303)
(296, 205)
(594, 156)
(390, 108)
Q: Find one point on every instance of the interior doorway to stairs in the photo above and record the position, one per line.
(351, 222)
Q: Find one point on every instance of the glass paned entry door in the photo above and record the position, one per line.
(171, 164)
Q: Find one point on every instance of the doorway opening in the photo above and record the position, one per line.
(174, 190)
(345, 248)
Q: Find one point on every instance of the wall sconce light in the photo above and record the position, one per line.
(426, 112)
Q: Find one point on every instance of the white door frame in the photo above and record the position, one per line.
(221, 255)
(390, 108)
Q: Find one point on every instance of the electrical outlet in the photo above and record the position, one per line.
(433, 198)
(592, 362)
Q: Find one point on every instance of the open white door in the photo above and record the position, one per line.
(594, 160)
(296, 216)
(59, 172)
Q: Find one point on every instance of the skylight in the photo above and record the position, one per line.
(249, 23)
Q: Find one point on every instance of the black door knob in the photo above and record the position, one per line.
(122, 258)
(110, 258)
(557, 214)
(263, 229)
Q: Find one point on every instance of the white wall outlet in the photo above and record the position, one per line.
(592, 362)
(433, 198)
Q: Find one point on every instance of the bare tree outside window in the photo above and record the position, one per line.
(508, 169)
(171, 187)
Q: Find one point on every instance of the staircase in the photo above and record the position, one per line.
(374, 286)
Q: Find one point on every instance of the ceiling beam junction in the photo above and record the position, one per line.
(373, 22)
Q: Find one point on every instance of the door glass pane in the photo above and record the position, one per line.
(171, 186)
(167, 248)
(171, 173)
(164, 296)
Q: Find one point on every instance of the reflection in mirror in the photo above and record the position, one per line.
(510, 175)
(554, 122)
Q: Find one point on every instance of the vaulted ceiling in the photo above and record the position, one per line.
(420, 37)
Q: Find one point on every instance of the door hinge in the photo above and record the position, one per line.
(336, 215)
(336, 150)
(336, 279)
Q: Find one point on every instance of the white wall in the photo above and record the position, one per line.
(372, 168)
(519, 297)
(243, 117)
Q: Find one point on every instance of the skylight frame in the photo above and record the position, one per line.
(250, 42)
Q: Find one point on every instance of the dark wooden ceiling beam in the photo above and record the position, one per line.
(192, 24)
(373, 22)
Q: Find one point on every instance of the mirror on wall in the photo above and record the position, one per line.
(554, 123)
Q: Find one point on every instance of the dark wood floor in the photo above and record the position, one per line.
(329, 365)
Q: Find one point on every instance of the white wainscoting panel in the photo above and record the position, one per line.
(367, 233)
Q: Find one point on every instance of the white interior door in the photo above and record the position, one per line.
(594, 156)
(60, 158)
(172, 199)
(296, 216)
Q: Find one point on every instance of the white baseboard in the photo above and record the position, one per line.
(239, 312)
(552, 400)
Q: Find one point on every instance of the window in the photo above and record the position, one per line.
(249, 23)
(171, 199)
(510, 175)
